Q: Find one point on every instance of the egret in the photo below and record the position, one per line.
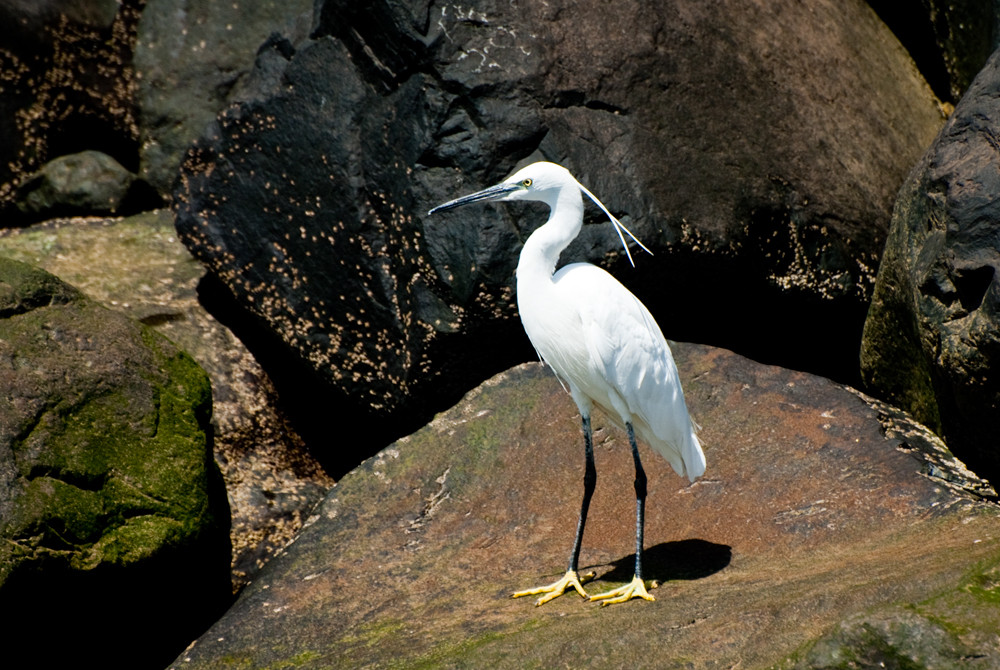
(603, 343)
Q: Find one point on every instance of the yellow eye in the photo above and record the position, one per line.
(526, 183)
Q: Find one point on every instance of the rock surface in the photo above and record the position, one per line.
(950, 40)
(113, 516)
(707, 128)
(189, 58)
(807, 515)
(932, 339)
(67, 85)
(137, 266)
(83, 183)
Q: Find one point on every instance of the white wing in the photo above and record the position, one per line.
(630, 370)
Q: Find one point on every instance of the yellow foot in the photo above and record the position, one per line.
(557, 588)
(634, 589)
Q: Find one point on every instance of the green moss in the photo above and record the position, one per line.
(473, 651)
(29, 288)
(117, 460)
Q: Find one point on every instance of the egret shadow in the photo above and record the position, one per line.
(684, 559)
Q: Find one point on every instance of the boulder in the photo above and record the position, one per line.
(761, 172)
(819, 505)
(137, 266)
(113, 519)
(932, 339)
(89, 182)
(190, 57)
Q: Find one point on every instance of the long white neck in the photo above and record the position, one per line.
(541, 251)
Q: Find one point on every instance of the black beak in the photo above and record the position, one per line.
(491, 193)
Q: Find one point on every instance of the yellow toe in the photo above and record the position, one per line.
(557, 588)
(634, 589)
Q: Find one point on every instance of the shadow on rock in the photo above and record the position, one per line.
(667, 561)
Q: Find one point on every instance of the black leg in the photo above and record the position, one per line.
(589, 482)
(640, 501)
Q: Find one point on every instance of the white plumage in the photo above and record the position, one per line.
(601, 341)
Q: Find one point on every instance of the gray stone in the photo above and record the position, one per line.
(89, 182)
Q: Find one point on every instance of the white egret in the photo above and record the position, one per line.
(604, 344)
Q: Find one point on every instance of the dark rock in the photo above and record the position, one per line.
(68, 86)
(137, 266)
(32, 20)
(950, 40)
(932, 339)
(761, 173)
(808, 514)
(112, 517)
(85, 183)
(190, 57)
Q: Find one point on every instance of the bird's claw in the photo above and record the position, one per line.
(558, 587)
(634, 589)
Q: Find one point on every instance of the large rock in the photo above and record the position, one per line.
(760, 170)
(190, 57)
(818, 505)
(932, 339)
(137, 266)
(113, 519)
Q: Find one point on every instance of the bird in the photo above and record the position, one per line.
(602, 343)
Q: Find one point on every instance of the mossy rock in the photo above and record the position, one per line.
(112, 515)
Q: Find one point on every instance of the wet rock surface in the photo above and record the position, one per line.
(807, 515)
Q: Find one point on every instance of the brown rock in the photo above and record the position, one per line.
(808, 513)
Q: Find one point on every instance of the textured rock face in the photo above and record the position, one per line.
(67, 85)
(189, 58)
(932, 339)
(807, 515)
(950, 40)
(710, 131)
(112, 516)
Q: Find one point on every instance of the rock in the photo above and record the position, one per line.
(711, 132)
(137, 266)
(932, 338)
(68, 86)
(112, 517)
(807, 516)
(949, 41)
(899, 638)
(190, 57)
(85, 183)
